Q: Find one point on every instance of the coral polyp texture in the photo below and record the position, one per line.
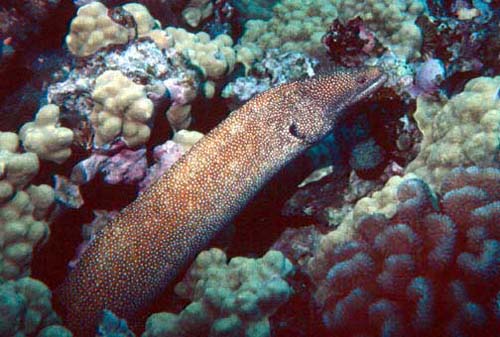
(431, 270)
(45, 137)
(461, 131)
(121, 109)
(227, 299)
(294, 26)
(93, 29)
(214, 57)
(393, 22)
(22, 208)
(26, 310)
(95, 26)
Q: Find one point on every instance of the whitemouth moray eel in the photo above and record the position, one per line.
(135, 257)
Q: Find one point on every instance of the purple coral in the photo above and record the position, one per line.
(431, 270)
(165, 156)
(121, 165)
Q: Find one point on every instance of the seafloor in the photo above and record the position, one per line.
(353, 188)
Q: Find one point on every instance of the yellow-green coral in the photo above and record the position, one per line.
(93, 28)
(45, 137)
(230, 299)
(196, 11)
(121, 109)
(26, 309)
(22, 208)
(463, 131)
(295, 26)
(393, 22)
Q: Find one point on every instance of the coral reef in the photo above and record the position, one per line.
(432, 269)
(166, 154)
(394, 233)
(393, 23)
(230, 299)
(45, 137)
(154, 237)
(196, 11)
(351, 44)
(461, 131)
(274, 69)
(22, 208)
(121, 109)
(111, 326)
(93, 28)
(26, 310)
(295, 26)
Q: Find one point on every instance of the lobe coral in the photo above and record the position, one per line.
(134, 258)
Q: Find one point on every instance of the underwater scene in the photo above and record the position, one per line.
(239, 168)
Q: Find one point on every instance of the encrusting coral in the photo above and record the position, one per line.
(431, 270)
(26, 310)
(45, 137)
(228, 299)
(121, 109)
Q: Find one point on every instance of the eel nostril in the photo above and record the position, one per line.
(362, 80)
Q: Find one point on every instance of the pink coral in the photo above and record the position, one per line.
(165, 156)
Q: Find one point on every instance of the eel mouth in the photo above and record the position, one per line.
(370, 89)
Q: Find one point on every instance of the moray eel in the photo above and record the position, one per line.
(134, 258)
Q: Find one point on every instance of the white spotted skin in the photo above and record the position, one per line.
(135, 257)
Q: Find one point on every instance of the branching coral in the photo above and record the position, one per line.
(229, 299)
(431, 270)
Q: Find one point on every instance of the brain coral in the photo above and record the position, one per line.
(121, 108)
(433, 269)
(228, 299)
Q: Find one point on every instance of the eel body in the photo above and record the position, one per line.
(134, 258)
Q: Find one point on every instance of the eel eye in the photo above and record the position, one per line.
(294, 131)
